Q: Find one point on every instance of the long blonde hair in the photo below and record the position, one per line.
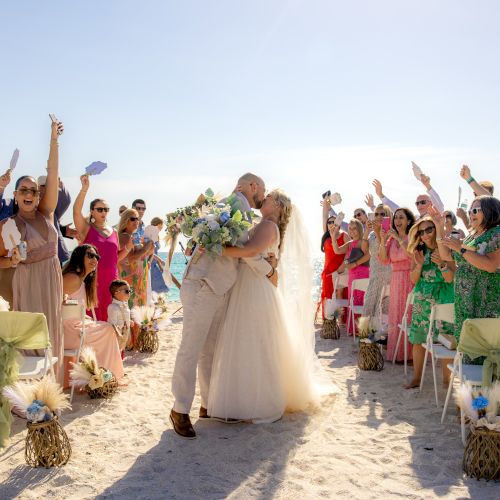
(126, 214)
(285, 203)
(414, 239)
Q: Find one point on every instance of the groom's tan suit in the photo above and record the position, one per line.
(204, 294)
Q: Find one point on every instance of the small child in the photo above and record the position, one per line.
(119, 312)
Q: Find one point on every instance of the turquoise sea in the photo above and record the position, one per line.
(179, 264)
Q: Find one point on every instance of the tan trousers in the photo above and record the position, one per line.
(203, 315)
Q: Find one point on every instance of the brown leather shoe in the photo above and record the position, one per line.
(182, 425)
(203, 413)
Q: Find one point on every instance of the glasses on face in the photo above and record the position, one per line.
(448, 216)
(379, 214)
(92, 255)
(25, 191)
(426, 230)
(476, 210)
(359, 214)
(421, 202)
(140, 209)
(102, 209)
(330, 222)
(133, 219)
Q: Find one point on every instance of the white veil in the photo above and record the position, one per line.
(295, 282)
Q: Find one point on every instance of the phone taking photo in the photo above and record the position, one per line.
(386, 223)
(326, 194)
(55, 120)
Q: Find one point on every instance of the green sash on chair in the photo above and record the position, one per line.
(18, 330)
(481, 337)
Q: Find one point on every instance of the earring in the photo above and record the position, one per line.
(78, 270)
(92, 220)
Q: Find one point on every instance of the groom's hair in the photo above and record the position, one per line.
(248, 178)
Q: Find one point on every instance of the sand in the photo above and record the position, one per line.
(374, 440)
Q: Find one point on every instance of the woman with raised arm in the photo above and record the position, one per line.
(477, 257)
(393, 252)
(357, 260)
(37, 281)
(96, 231)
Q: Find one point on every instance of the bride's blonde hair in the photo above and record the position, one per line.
(285, 203)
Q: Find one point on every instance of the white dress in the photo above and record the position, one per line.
(258, 371)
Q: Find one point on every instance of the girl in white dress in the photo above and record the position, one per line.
(264, 361)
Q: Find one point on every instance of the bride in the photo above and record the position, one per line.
(264, 361)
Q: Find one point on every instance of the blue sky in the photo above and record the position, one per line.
(179, 96)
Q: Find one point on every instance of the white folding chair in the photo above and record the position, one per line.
(386, 291)
(75, 311)
(439, 312)
(404, 328)
(473, 374)
(340, 281)
(357, 285)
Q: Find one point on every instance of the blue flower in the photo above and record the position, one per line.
(224, 217)
(480, 403)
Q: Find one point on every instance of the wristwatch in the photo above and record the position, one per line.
(463, 250)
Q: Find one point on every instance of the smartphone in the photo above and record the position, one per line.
(55, 120)
(339, 219)
(455, 235)
(326, 194)
(386, 223)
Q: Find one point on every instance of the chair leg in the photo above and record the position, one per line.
(405, 348)
(462, 425)
(72, 393)
(448, 394)
(397, 346)
(423, 369)
(433, 360)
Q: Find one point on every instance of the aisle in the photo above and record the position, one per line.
(375, 440)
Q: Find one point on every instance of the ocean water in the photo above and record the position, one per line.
(179, 264)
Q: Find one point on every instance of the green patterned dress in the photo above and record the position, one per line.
(476, 292)
(430, 289)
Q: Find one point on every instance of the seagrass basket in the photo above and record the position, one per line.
(330, 329)
(482, 454)
(47, 444)
(370, 357)
(104, 392)
(147, 340)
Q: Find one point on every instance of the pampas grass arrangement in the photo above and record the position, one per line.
(41, 403)
(98, 382)
(482, 451)
(369, 355)
(146, 317)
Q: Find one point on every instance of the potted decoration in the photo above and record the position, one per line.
(97, 381)
(369, 355)
(147, 339)
(330, 328)
(482, 450)
(41, 403)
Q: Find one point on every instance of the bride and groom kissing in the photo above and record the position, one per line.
(245, 335)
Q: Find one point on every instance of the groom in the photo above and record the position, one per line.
(204, 294)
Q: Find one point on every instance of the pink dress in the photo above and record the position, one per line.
(401, 286)
(107, 268)
(357, 273)
(37, 283)
(99, 335)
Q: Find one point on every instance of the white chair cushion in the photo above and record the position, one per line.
(470, 373)
(32, 367)
(441, 352)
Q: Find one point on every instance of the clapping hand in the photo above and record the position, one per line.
(436, 258)
(419, 257)
(452, 243)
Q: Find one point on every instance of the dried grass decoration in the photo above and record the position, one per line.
(330, 328)
(147, 340)
(482, 450)
(47, 444)
(369, 355)
(97, 381)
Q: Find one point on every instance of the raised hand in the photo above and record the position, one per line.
(437, 218)
(378, 188)
(426, 181)
(5, 180)
(369, 201)
(57, 128)
(465, 172)
(84, 179)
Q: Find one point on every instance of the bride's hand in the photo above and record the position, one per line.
(274, 278)
(273, 261)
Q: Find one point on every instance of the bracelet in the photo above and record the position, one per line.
(470, 179)
(445, 270)
(271, 273)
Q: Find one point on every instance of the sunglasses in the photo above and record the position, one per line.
(427, 230)
(133, 219)
(421, 202)
(330, 222)
(126, 290)
(475, 211)
(92, 255)
(25, 191)
(448, 216)
(102, 209)
(359, 214)
(379, 214)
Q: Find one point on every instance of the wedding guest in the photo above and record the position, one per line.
(450, 223)
(477, 278)
(37, 280)
(119, 312)
(157, 265)
(80, 283)
(140, 206)
(96, 231)
(132, 268)
(356, 260)
(6, 205)
(360, 215)
(380, 275)
(393, 252)
(333, 260)
(433, 279)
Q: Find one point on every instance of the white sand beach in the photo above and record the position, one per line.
(374, 440)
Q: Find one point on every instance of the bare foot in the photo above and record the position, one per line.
(413, 384)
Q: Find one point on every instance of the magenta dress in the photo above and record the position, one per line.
(107, 268)
(401, 286)
(359, 272)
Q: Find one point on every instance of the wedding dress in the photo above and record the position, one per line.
(264, 360)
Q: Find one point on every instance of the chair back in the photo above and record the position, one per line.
(361, 284)
(443, 312)
(339, 281)
(73, 311)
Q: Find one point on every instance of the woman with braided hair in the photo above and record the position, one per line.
(264, 360)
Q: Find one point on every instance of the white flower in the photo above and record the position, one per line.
(481, 248)
(213, 225)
